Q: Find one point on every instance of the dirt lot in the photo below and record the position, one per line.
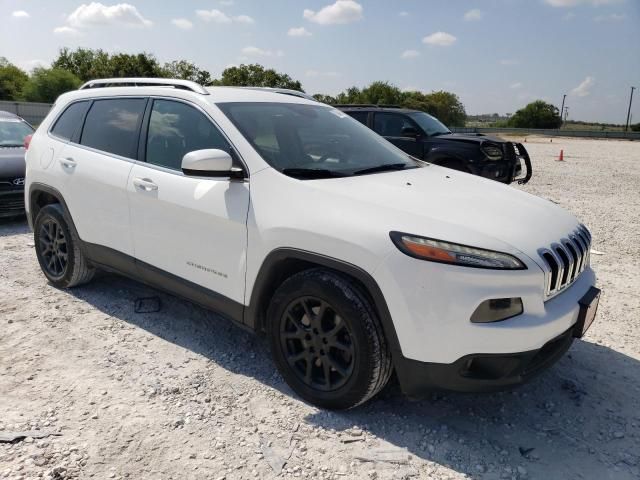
(180, 394)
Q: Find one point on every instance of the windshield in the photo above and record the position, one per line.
(13, 132)
(431, 125)
(314, 141)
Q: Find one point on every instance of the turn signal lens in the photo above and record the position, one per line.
(492, 152)
(456, 254)
(27, 141)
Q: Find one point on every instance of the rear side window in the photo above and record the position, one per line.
(176, 129)
(112, 125)
(360, 116)
(70, 121)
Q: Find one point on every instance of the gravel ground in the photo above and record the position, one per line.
(180, 394)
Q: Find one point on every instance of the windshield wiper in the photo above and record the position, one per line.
(312, 173)
(382, 168)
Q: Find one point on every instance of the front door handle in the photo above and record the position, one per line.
(68, 162)
(145, 184)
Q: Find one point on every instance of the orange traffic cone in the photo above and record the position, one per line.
(561, 157)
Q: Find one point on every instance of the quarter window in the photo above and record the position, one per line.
(113, 125)
(70, 121)
(176, 129)
(391, 124)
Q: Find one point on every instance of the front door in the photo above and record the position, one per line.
(391, 126)
(190, 227)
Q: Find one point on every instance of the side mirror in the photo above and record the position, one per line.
(411, 132)
(210, 163)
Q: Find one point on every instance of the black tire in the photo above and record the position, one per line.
(320, 322)
(58, 249)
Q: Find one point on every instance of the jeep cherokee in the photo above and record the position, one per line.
(293, 220)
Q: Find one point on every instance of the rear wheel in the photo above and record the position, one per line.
(58, 249)
(327, 341)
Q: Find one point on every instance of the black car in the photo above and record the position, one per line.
(425, 137)
(15, 134)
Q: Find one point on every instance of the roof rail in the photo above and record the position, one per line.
(284, 91)
(366, 105)
(145, 82)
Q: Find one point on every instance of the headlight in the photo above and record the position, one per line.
(492, 152)
(453, 253)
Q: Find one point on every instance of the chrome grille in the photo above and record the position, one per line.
(565, 260)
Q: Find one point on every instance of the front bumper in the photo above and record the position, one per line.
(11, 203)
(480, 372)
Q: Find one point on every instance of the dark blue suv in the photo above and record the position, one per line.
(425, 137)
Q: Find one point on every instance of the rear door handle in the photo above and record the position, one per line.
(68, 162)
(145, 184)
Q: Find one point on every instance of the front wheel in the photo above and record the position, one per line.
(58, 249)
(327, 341)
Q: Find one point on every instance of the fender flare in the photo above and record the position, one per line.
(37, 188)
(278, 259)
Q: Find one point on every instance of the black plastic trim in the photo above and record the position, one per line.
(254, 312)
(118, 262)
(480, 372)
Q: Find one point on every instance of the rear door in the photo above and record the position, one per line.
(95, 165)
(390, 126)
(191, 227)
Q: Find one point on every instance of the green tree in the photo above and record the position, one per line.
(257, 76)
(46, 84)
(538, 114)
(187, 71)
(635, 128)
(88, 64)
(445, 106)
(12, 80)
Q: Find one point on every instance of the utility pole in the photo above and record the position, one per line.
(562, 108)
(566, 113)
(629, 111)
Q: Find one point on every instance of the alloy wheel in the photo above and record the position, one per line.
(53, 247)
(317, 343)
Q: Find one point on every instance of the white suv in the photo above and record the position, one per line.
(294, 220)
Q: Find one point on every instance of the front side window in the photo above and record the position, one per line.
(70, 121)
(13, 132)
(176, 129)
(391, 124)
(431, 125)
(113, 125)
(313, 141)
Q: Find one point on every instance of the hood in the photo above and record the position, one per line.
(474, 138)
(453, 206)
(12, 163)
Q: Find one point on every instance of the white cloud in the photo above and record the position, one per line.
(246, 19)
(509, 62)
(315, 73)
(299, 32)
(65, 30)
(410, 54)
(440, 39)
(583, 89)
(182, 23)
(473, 15)
(217, 16)
(97, 14)
(516, 85)
(613, 17)
(226, 3)
(252, 51)
(20, 14)
(213, 16)
(575, 3)
(403, 14)
(343, 11)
